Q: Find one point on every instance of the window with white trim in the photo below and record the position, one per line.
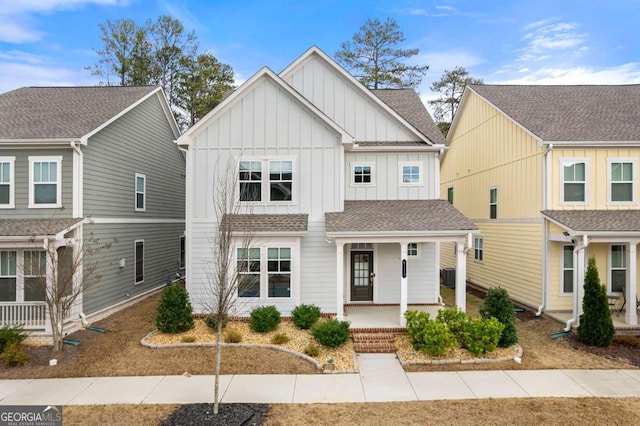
(450, 194)
(141, 192)
(45, 182)
(622, 181)
(248, 267)
(273, 177)
(493, 203)
(8, 277)
(574, 181)
(35, 271)
(279, 271)
(139, 261)
(410, 174)
(478, 249)
(362, 174)
(567, 270)
(7, 182)
(618, 270)
(412, 250)
(280, 180)
(182, 259)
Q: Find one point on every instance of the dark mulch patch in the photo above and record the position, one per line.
(228, 415)
(622, 348)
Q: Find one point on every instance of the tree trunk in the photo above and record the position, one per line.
(216, 391)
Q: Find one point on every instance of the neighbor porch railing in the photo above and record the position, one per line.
(30, 315)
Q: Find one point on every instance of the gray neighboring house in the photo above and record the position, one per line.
(81, 161)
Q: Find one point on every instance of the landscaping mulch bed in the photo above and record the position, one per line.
(228, 415)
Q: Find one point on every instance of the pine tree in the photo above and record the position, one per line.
(596, 326)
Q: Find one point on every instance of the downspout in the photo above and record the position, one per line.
(546, 181)
(576, 291)
(77, 181)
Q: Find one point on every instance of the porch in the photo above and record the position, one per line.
(32, 316)
(382, 316)
(621, 327)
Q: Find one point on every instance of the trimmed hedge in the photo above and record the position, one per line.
(305, 316)
(264, 319)
(174, 310)
(331, 333)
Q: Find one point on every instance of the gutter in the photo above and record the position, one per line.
(546, 192)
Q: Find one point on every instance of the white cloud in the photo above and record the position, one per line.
(546, 36)
(12, 75)
(30, 6)
(622, 74)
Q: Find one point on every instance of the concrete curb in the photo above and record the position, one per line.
(405, 363)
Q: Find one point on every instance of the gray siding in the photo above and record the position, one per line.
(161, 253)
(139, 142)
(21, 165)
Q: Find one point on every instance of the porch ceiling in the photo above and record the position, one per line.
(402, 216)
(33, 228)
(598, 221)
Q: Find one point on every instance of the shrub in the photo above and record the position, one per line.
(8, 335)
(596, 327)
(498, 305)
(331, 333)
(454, 320)
(428, 336)
(279, 339)
(264, 319)
(304, 316)
(13, 355)
(174, 310)
(232, 336)
(212, 321)
(188, 339)
(312, 350)
(482, 336)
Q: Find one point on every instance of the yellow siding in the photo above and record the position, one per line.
(597, 176)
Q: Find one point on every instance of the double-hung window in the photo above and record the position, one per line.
(182, 259)
(279, 271)
(411, 174)
(621, 181)
(269, 180)
(574, 181)
(35, 267)
(618, 268)
(362, 174)
(493, 203)
(8, 276)
(250, 178)
(141, 192)
(45, 182)
(139, 261)
(248, 267)
(280, 180)
(6, 182)
(567, 269)
(478, 249)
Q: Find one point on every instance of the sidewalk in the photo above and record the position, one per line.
(381, 378)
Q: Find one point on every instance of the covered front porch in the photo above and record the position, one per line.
(387, 253)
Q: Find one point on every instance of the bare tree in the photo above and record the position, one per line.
(225, 276)
(60, 273)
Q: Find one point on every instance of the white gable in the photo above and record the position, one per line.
(346, 101)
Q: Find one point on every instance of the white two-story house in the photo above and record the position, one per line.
(341, 184)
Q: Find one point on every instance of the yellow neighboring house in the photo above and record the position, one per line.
(550, 176)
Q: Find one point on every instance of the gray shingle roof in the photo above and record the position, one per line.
(62, 112)
(407, 104)
(34, 227)
(268, 222)
(570, 113)
(597, 220)
(398, 216)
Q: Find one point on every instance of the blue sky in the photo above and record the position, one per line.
(49, 42)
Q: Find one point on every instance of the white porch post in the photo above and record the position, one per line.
(51, 261)
(403, 283)
(461, 277)
(631, 317)
(340, 281)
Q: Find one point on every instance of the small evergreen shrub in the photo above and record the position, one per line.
(455, 320)
(174, 310)
(188, 339)
(482, 336)
(312, 350)
(426, 335)
(8, 335)
(331, 333)
(212, 322)
(305, 316)
(498, 305)
(596, 327)
(279, 339)
(14, 355)
(264, 319)
(232, 336)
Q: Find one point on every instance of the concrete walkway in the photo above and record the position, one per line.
(381, 378)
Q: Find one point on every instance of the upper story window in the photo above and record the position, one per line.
(411, 174)
(279, 186)
(362, 174)
(478, 249)
(574, 181)
(450, 194)
(141, 192)
(493, 203)
(6, 182)
(45, 182)
(621, 181)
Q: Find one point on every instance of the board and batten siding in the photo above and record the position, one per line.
(117, 284)
(387, 176)
(345, 103)
(318, 268)
(21, 185)
(142, 142)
